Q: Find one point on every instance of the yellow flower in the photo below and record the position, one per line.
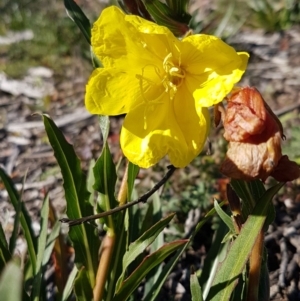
(163, 84)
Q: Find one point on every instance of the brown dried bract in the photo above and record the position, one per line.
(254, 134)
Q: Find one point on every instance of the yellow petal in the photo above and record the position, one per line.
(130, 42)
(221, 82)
(212, 68)
(194, 122)
(151, 132)
(113, 92)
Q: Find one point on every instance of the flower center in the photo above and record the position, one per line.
(170, 78)
(174, 75)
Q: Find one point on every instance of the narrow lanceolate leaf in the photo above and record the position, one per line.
(196, 291)
(232, 266)
(11, 283)
(77, 15)
(257, 189)
(156, 288)
(86, 243)
(5, 254)
(69, 285)
(149, 262)
(104, 124)
(106, 177)
(16, 230)
(243, 191)
(153, 293)
(25, 220)
(250, 192)
(140, 245)
(54, 234)
(225, 218)
(157, 243)
(42, 239)
(80, 284)
(132, 173)
(216, 254)
(163, 15)
(179, 7)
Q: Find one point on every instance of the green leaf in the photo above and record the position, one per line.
(105, 178)
(243, 191)
(132, 173)
(86, 243)
(5, 254)
(51, 241)
(77, 15)
(156, 288)
(153, 276)
(81, 284)
(15, 233)
(25, 219)
(11, 283)
(249, 192)
(257, 189)
(104, 124)
(70, 284)
(164, 16)
(149, 262)
(105, 174)
(152, 215)
(42, 239)
(216, 254)
(196, 291)
(140, 245)
(230, 269)
(153, 293)
(224, 217)
(178, 7)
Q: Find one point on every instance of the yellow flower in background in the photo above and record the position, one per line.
(163, 84)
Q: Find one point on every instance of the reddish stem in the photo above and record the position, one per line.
(255, 268)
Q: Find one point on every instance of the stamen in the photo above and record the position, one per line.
(174, 74)
(170, 78)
